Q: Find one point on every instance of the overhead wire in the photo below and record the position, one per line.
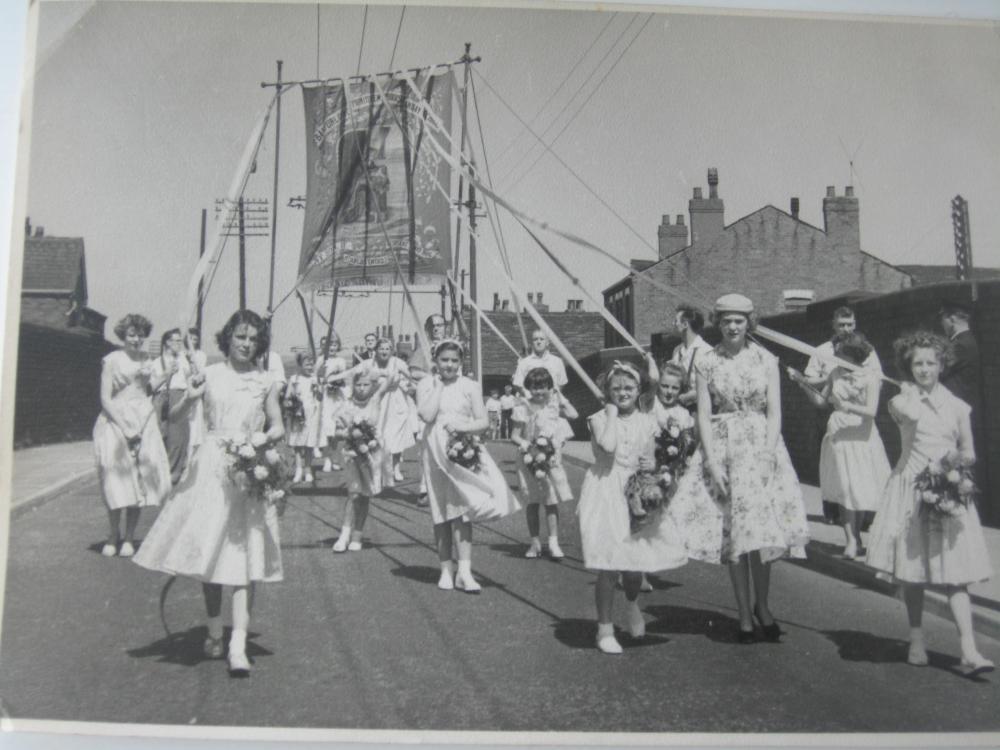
(552, 123)
(548, 147)
(361, 49)
(551, 97)
(399, 28)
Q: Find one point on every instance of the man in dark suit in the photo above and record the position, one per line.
(962, 376)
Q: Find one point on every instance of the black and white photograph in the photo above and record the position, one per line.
(519, 374)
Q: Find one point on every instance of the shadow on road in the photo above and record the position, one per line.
(418, 573)
(713, 625)
(855, 645)
(581, 634)
(187, 649)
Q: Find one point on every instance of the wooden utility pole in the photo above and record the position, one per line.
(274, 195)
(201, 282)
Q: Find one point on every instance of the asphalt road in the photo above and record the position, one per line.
(366, 640)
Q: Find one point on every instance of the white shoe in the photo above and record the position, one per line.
(645, 585)
(340, 545)
(298, 476)
(327, 466)
(354, 547)
(317, 453)
(555, 551)
(467, 584)
(636, 622)
(534, 550)
(398, 475)
(608, 644)
(109, 550)
(446, 582)
(126, 550)
(239, 664)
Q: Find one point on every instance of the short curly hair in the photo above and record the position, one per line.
(249, 318)
(133, 320)
(907, 344)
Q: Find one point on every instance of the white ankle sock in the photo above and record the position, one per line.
(238, 641)
(605, 628)
(465, 568)
(215, 627)
(345, 533)
(554, 540)
(448, 566)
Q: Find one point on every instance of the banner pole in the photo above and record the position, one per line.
(274, 199)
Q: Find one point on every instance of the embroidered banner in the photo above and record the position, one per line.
(366, 173)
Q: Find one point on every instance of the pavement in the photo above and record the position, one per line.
(366, 640)
(825, 554)
(44, 472)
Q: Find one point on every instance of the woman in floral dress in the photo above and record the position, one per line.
(740, 503)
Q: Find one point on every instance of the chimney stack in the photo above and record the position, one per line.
(795, 208)
(672, 237)
(496, 301)
(505, 305)
(841, 222)
(707, 214)
(39, 231)
(531, 298)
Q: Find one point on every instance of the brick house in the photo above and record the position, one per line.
(772, 256)
(60, 344)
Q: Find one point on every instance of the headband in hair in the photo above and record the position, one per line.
(450, 342)
(627, 368)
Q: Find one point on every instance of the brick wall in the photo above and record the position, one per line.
(761, 255)
(58, 385)
(882, 319)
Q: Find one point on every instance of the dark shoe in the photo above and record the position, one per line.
(423, 501)
(771, 632)
(745, 637)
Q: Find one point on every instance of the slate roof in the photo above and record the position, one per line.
(54, 264)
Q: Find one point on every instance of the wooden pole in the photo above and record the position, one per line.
(412, 271)
(243, 257)
(201, 283)
(274, 199)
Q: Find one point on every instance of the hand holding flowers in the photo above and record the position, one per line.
(258, 468)
(538, 456)
(361, 439)
(946, 487)
(465, 449)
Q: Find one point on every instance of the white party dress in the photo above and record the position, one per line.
(211, 530)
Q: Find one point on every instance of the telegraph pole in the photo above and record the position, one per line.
(201, 282)
(247, 218)
(274, 198)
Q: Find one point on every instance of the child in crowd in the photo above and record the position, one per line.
(493, 413)
(303, 427)
(543, 415)
(507, 403)
(622, 438)
(366, 469)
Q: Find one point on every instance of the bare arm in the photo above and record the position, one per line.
(773, 406)
(705, 431)
(869, 408)
(566, 408)
(107, 402)
(480, 421)
(607, 438)
(276, 428)
(429, 400)
(817, 398)
(966, 447)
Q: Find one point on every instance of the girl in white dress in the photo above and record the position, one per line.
(622, 439)
(212, 530)
(543, 414)
(448, 403)
(132, 462)
(334, 399)
(303, 436)
(853, 467)
(368, 472)
(919, 547)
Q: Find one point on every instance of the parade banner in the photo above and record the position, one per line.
(369, 181)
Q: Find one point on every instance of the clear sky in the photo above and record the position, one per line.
(141, 111)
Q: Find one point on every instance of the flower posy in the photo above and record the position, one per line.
(946, 487)
(465, 449)
(539, 456)
(259, 471)
(361, 438)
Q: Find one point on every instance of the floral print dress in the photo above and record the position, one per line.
(763, 510)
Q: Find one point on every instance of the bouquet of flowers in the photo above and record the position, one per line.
(360, 439)
(647, 492)
(293, 408)
(539, 456)
(465, 449)
(674, 445)
(946, 487)
(257, 468)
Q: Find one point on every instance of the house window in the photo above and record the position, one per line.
(619, 303)
(798, 299)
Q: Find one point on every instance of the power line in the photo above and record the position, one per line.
(581, 87)
(364, 25)
(582, 105)
(399, 28)
(562, 83)
(569, 169)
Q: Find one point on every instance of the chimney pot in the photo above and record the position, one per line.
(538, 297)
(831, 192)
(849, 191)
(680, 220)
(39, 231)
(713, 182)
(666, 219)
(697, 193)
(795, 208)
